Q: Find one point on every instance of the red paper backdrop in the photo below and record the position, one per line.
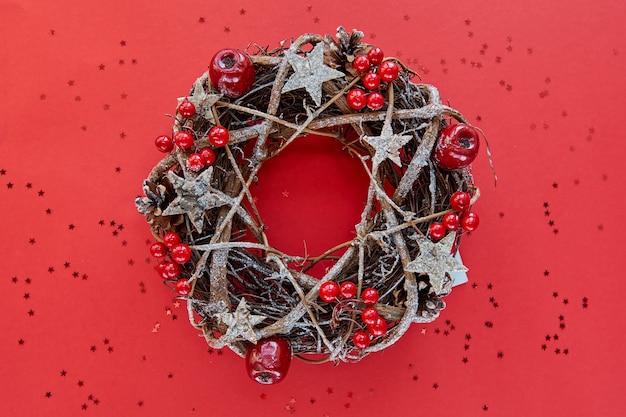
(89, 329)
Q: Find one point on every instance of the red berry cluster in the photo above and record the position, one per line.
(375, 70)
(376, 326)
(170, 269)
(218, 136)
(462, 219)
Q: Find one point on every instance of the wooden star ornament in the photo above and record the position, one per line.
(193, 197)
(310, 72)
(436, 261)
(203, 101)
(387, 145)
(240, 323)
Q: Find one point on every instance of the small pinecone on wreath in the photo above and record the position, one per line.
(211, 246)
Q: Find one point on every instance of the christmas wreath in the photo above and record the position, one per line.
(211, 245)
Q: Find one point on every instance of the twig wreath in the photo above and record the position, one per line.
(211, 246)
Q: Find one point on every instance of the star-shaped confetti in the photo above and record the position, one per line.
(436, 261)
(203, 101)
(240, 323)
(387, 145)
(310, 72)
(194, 196)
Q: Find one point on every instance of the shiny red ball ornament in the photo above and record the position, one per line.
(207, 155)
(232, 72)
(356, 99)
(164, 143)
(158, 250)
(184, 140)
(451, 221)
(194, 162)
(218, 136)
(361, 339)
(388, 71)
(171, 270)
(187, 109)
(182, 287)
(181, 253)
(379, 327)
(361, 63)
(371, 81)
(370, 296)
(347, 290)
(457, 146)
(170, 239)
(329, 291)
(268, 361)
(470, 221)
(375, 55)
(375, 101)
(460, 201)
(369, 315)
(436, 231)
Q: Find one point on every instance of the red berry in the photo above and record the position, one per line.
(389, 71)
(161, 270)
(194, 162)
(348, 290)
(361, 339)
(460, 201)
(370, 296)
(369, 315)
(371, 81)
(361, 63)
(356, 99)
(170, 239)
(181, 253)
(436, 231)
(375, 55)
(207, 155)
(164, 143)
(158, 250)
(375, 101)
(218, 136)
(470, 221)
(231, 72)
(184, 140)
(379, 328)
(451, 221)
(329, 291)
(457, 146)
(187, 109)
(268, 361)
(182, 287)
(171, 270)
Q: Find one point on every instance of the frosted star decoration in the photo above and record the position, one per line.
(240, 323)
(436, 261)
(310, 73)
(387, 145)
(193, 197)
(203, 101)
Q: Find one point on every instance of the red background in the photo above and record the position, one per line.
(89, 329)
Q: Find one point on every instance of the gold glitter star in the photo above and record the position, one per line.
(193, 197)
(240, 323)
(310, 72)
(203, 101)
(387, 145)
(436, 261)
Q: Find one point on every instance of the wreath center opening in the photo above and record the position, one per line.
(311, 197)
